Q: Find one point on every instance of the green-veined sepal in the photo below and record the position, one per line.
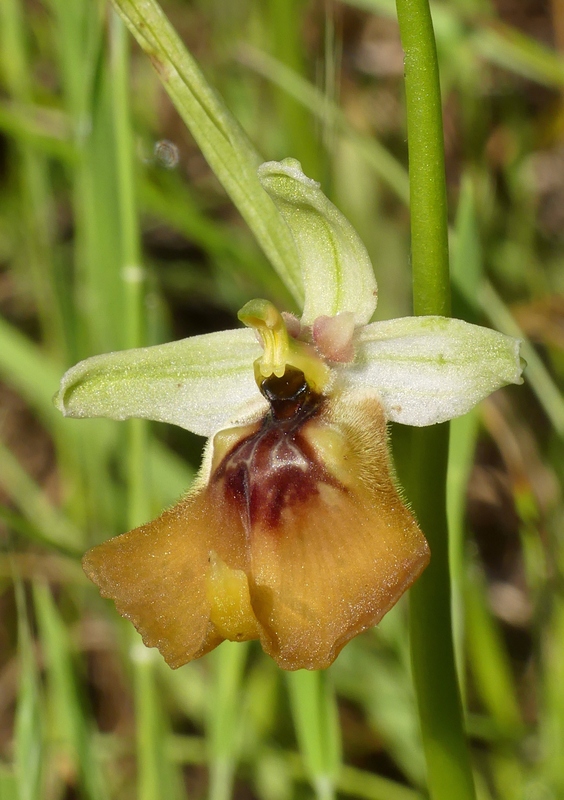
(431, 369)
(336, 269)
(200, 384)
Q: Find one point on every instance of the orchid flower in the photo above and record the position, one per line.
(295, 531)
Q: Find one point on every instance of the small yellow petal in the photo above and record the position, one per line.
(334, 336)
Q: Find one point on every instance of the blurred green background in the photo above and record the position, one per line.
(85, 710)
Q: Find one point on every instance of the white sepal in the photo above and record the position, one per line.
(200, 384)
(336, 269)
(431, 369)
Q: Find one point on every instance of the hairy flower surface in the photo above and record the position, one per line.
(294, 533)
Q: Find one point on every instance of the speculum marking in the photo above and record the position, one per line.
(275, 467)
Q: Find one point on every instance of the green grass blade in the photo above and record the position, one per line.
(220, 138)
(317, 728)
(25, 367)
(43, 131)
(29, 745)
(551, 770)
(288, 46)
(467, 275)
(467, 264)
(384, 164)
(70, 726)
(224, 717)
(536, 374)
(36, 213)
(491, 667)
(76, 34)
(130, 270)
(513, 50)
(157, 775)
(360, 783)
(463, 439)
(51, 526)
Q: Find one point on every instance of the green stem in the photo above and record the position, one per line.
(440, 708)
(429, 224)
(131, 268)
(432, 652)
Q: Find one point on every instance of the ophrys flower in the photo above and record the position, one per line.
(294, 533)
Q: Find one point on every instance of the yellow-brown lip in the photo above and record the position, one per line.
(299, 538)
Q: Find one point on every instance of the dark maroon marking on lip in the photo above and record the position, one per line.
(275, 467)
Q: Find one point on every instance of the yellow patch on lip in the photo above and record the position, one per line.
(225, 440)
(332, 450)
(227, 592)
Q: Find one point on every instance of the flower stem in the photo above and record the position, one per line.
(429, 224)
(440, 709)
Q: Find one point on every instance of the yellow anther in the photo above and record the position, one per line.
(280, 349)
(267, 320)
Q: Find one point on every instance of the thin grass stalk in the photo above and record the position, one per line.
(297, 120)
(36, 205)
(225, 717)
(315, 714)
(131, 269)
(70, 727)
(330, 116)
(463, 439)
(29, 744)
(440, 710)
(149, 737)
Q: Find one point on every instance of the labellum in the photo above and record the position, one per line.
(298, 538)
